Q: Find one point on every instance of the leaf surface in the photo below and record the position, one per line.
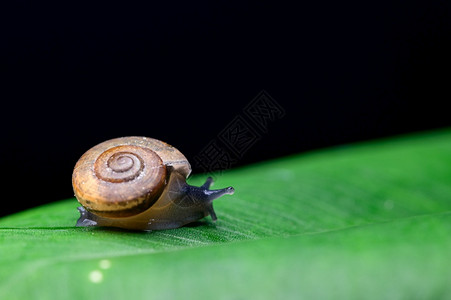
(361, 221)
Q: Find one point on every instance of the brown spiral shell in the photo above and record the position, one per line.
(124, 176)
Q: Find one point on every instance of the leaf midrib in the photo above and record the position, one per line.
(173, 248)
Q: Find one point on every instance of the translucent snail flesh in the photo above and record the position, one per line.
(139, 183)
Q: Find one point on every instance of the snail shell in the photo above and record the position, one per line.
(139, 183)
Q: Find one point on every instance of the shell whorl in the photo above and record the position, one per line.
(119, 164)
(125, 176)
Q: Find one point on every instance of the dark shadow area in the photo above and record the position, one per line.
(78, 73)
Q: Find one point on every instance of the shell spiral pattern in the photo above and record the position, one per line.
(119, 164)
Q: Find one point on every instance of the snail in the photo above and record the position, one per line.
(139, 183)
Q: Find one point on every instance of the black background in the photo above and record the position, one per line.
(77, 73)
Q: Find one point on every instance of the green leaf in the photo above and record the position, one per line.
(363, 221)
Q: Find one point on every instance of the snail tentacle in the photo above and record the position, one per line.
(86, 218)
(205, 196)
(209, 182)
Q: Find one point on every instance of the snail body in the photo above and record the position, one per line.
(139, 183)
